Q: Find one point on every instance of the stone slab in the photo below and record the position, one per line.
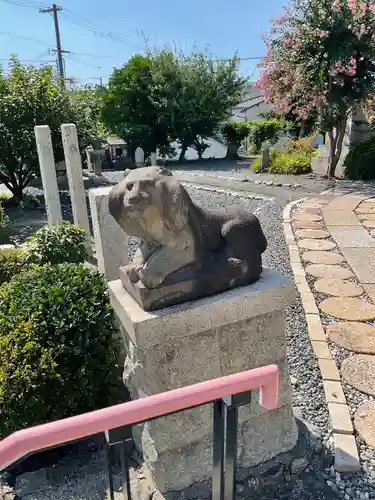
(111, 242)
(347, 202)
(272, 292)
(359, 372)
(334, 392)
(322, 257)
(368, 224)
(321, 350)
(259, 440)
(351, 237)
(340, 217)
(316, 244)
(338, 287)
(330, 271)
(340, 418)
(307, 210)
(187, 427)
(370, 290)
(348, 308)
(312, 233)
(314, 327)
(300, 224)
(364, 422)
(346, 453)
(353, 336)
(370, 216)
(304, 216)
(309, 303)
(328, 370)
(365, 208)
(362, 262)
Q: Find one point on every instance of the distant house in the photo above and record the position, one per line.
(252, 103)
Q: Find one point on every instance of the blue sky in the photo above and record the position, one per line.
(222, 26)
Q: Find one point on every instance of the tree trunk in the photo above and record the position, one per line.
(335, 141)
(17, 192)
(182, 152)
(232, 152)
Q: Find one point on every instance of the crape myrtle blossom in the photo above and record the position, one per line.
(319, 61)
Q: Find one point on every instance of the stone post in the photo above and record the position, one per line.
(153, 160)
(73, 163)
(48, 174)
(111, 243)
(139, 156)
(227, 333)
(265, 157)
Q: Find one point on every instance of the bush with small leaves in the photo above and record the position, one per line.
(359, 163)
(4, 221)
(11, 263)
(58, 346)
(57, 244)
(293, 163)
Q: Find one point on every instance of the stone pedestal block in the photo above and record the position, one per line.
(200, 340)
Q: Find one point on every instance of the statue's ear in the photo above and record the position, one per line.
(127, 172)
(165, 171)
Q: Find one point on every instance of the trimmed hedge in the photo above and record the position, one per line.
(359, 163)
(58, 345)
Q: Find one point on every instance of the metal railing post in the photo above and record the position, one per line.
(118, 436)
(218, 451)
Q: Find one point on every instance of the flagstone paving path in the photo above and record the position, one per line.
(332, 252)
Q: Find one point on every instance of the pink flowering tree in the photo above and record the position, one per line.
(321, 61)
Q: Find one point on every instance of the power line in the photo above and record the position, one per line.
(82, 62)
(25, 37)
(24, 3)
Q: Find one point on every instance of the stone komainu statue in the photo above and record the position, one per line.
(205, 251)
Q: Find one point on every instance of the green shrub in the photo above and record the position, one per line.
(4, 222)
(280, 162)
(234, 133)
(261, 131)
(58, 345)
(11, 263)
(57, 244)
(360, 161)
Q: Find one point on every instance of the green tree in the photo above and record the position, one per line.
(320, 59)
(206, 93)
(31, 96)
(134, 107)
(161, 97)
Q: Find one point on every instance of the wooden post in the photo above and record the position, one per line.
(74, 172)
(48, 174)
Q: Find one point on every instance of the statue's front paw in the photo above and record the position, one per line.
(132, 273)
(150, 279)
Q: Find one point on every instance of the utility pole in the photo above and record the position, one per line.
(54, 9)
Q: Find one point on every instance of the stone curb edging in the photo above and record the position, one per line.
(345, 446)
(225, 190)
(257, 182)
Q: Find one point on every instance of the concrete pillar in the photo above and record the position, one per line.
(111, 242)
(74, 172)
(227, 333)
(48, 174)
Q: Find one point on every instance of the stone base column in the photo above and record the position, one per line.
(197, 341)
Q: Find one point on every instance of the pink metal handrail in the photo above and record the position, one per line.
(70, 429)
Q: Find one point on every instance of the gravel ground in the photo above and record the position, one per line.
(307, 384)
